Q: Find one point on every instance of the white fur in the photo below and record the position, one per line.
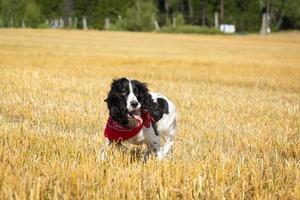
(131, 97)
(166, 127)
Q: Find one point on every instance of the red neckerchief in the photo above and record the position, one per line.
(117, 132)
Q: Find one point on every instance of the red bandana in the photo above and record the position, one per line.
(117, 132)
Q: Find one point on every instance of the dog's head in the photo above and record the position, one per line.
(127, 97)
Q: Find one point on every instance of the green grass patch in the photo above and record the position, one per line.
(189, 29)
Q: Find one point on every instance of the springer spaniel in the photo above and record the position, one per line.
(139, 117)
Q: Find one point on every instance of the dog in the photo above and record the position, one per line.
(139, 117)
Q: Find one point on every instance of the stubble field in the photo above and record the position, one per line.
(238, 99)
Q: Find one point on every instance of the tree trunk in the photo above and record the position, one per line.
(61, 23)
(11, 23)
(106, 24)
(191, 12)
(216, 21)
(279, 22)
(167, 9)
(174, 21)
(75, 22)
(23, 24)
(70, 22)
(181, 7)
(67, 11)
(84, 23)
(263, 30)
(268, 15)
(156, 25)
(203, 12)
(222, 11)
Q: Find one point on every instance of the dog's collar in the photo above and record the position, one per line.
(117, 132)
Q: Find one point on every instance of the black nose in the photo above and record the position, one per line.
(134, 104)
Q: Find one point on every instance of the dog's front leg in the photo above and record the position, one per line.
(103, 150)
(154, 147)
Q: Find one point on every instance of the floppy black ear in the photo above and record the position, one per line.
(117, 108)
(147, 102)
(116, 82)
(141, 86)
(153, 108)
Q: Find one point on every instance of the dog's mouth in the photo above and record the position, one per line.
(134, 117)
(134, 113)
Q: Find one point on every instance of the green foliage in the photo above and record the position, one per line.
(97, 10)
(11, 12)
(140, 17)
(190, 29)
(286, 14)
(50, 9)
(120, 25)
(32, 14)
(244, 14)
(43, 26)
(1, 22)
(179, 19)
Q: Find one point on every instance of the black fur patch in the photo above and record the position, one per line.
(163, 105)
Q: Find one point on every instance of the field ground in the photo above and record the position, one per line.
(238, 99)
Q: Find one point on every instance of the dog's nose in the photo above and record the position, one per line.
(134, 104)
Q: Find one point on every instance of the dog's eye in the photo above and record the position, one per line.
(123, 91)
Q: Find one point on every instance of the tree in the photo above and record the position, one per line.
(50, 9)
(32, 14)
(67, 11)
(141, 16)
(203, 12)
(222, 10)
(11, 12)
(286, 14)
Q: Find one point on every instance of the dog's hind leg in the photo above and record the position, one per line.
(170, 137)
(168, 145)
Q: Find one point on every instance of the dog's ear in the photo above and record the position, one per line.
(115, 82)
(147, 101)
(117, 108)
(118, 115)
(142, 87)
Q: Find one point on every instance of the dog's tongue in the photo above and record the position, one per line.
(137, 117)
(134, 120)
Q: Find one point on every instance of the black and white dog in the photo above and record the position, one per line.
(130, 99)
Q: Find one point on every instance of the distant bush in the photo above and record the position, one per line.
(43, 26)
(179, 19)
(119, 25)
(189, 29)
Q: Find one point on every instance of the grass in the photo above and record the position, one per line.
(189, 29)
(238, 100)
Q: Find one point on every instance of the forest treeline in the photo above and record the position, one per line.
(139, 15)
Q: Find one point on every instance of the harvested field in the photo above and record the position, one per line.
(238, 99)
